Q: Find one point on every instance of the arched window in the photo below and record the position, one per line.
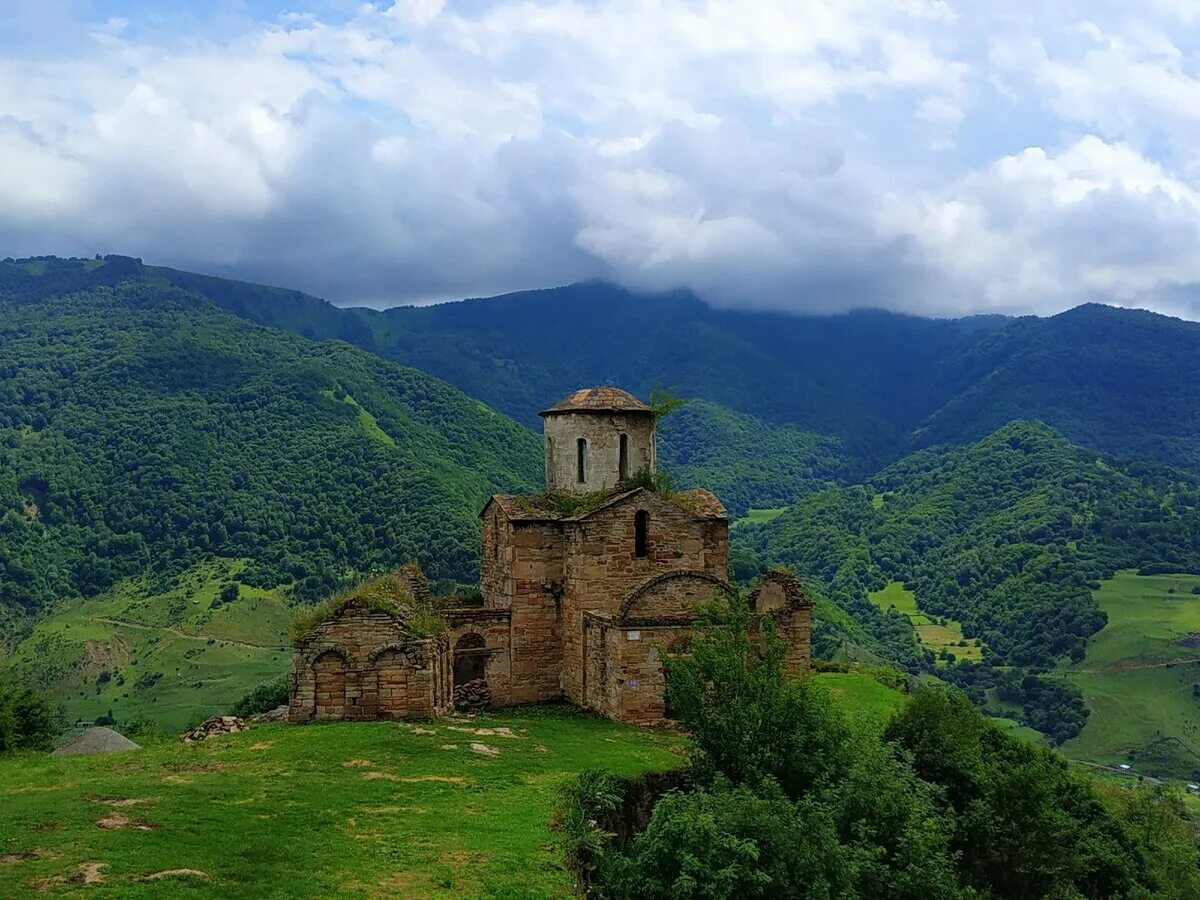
(581, 460)
(641, 533)
(623, 458)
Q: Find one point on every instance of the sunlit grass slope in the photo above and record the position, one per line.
(171, 657)
(1139, 677)
(449, 808)
(937, 637)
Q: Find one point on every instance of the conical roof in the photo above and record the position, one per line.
(598, 399)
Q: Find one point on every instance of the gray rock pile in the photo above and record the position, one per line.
(278, 714)
(472, 696)
(99, 739)
(215, 725)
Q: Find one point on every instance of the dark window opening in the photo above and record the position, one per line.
(623, 458)
(641, 533)
(581, 460)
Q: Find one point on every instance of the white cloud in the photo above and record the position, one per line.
(915, 154)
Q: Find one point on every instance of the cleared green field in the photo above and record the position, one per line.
(867, 703)
(937, 637)
(1140, 676)
(361, 809)
(378, 809)
(757, 516)
(171, 657)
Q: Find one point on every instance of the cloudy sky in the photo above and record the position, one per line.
(935, 157)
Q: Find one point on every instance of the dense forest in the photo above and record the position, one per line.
(1124, 382)
(142, 427)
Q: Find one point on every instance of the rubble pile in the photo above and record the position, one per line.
(215, 725)
(472, 696)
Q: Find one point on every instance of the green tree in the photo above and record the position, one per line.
(746, 721)
(28, 721)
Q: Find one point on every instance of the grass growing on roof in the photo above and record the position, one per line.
(382, 593)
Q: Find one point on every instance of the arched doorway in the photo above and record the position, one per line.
(330, 671)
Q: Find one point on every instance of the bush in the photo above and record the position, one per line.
(28, 721)
(587, 801)
(1025, 824)
(728, 841)
(746, 720)
(263, 698)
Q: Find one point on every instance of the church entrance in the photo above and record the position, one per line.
(470, 672)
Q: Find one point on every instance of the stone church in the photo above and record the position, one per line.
(581, 586)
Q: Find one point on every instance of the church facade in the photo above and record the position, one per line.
(582, 586)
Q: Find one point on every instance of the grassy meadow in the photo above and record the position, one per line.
(937, 637)
(758, 516)
(171, 657)
(1140, 676)
(449, 808)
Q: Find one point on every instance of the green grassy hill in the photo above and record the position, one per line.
(381, 809)
(1140, 676)
(172, 657)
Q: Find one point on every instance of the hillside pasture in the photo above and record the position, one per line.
(449, 808)
(758, 516)
(940, 635)
(170, 656)
(1139, 677)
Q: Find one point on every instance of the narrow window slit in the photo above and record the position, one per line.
(641, 533)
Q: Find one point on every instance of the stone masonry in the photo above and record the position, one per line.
(582, 588)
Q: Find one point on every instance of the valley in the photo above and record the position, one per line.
(187, 432)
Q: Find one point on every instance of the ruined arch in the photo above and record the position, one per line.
(670, 596)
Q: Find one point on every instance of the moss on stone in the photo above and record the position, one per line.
(388, 593)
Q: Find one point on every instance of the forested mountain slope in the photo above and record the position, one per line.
(1004, 535)
(1125, 382)
(143, 427)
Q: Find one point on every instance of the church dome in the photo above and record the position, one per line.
(598, 399)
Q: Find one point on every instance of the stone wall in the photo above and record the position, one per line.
(537, 567)
(363, 664)
(780, 595)
(796, 628)
(601, 568)
(496, 581)
(624, 677)
(602, 432)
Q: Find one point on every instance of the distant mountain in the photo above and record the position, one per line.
(1121, 381)
(141, 426)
